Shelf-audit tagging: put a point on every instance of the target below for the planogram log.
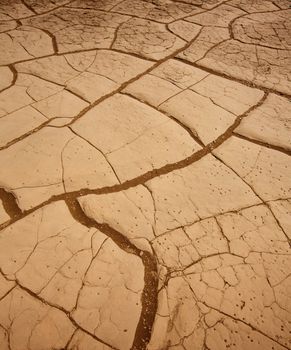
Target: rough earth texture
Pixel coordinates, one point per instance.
(145, 188)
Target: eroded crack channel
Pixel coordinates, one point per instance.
(149, 297)
(10, 204)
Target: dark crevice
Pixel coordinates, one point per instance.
(54, 40)
(22, 137)
(256, 194)
(14, 76)
(10, 204)
(119, 13)
(231, 23)
(236, 319)
(116, 32)
(3, 296)
(70, 339)
(97, 149)
(263, 144)
(45, 302)
(38, 14)
(279, 224)
(232, 78)
(14, 72)
(30, 8)
(77, 95)
(172, 32)
(211, 48)
(149, 297)
(185, 127)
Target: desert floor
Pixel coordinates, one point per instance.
(145, 175)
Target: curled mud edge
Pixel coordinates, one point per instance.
(149, 297)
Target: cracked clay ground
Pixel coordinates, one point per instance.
(145, 175)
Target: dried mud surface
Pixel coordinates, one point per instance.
(145, 188)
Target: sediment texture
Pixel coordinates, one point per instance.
(145, 188)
